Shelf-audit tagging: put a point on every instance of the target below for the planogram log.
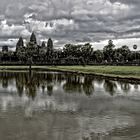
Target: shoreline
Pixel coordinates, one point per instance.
(132, 80)
(82, 71)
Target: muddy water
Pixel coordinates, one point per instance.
(59, 106)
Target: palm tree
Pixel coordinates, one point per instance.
(135, 48)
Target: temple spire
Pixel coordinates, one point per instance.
(33, 38)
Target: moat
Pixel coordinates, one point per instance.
(63, 106)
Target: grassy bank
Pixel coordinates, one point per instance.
(122, 71)
(112, 71)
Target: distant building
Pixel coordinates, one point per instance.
(5, 49)
(33, 38)
(20, 44)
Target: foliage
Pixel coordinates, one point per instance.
(5, 49)
(71, 54)
(98, 56)
(108, 51)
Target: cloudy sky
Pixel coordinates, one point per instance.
(71, 21)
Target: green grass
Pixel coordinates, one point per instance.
(122, 71)
(115, 71)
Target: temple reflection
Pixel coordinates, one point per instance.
(81, 107)
(35, 83)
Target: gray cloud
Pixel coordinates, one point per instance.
(70, 21)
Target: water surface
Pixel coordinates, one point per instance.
(60, 106)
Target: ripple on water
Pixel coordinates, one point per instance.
(104, 126)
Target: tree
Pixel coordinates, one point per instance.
(135, 47)
(99, 56)
(108, 51)
(6, 54)
(5, 49)
(87, 52)
(72, 50)
(122, 54)
(83, 53)
(125, 51)
(82, 61)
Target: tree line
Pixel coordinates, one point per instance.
(71, 54)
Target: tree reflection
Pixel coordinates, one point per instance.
(88, 86)
(49, 77)
(4, 80)
(5, 83)
(125, 87)
(79, 84)
(43, 88)
(73, 84)
(31, 83)
(50, 90)
(99, 80)
(136, 86)
(60, 78)
(110, 87)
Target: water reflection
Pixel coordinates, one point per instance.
(61, 106)
(125, 87)
(31, 83)
(88, 86)
(73, 84)
(110, 87)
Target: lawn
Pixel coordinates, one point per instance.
(115, 71)
(123, 71)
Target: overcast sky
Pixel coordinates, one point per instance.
(71, 21)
